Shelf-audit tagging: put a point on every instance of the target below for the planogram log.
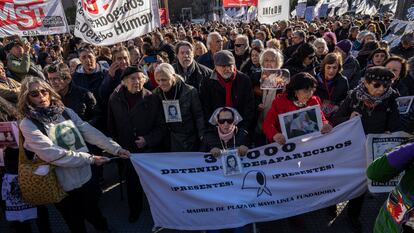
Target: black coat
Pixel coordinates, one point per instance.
(213, 96)
(384, 117)
(212, 140)
(290, 50)
(83, 103)
(294, 66)
(195, 78)
(339, 92)
(185, 135)
(144, 119)
(206, 60)
(399, 50)
(169, 49)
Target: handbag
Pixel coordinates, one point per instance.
(38, 189)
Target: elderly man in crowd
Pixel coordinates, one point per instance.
(298, 38)
(241, 50)
(19, 62)
(228, 87)
(214, 44)
(192, 72)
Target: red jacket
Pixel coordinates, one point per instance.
(281, 104)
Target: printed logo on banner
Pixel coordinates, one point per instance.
(258, 182)
(23, 14)
(96, 7)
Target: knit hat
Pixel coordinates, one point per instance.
(224, 58)
(345, 46)
(379, 73)
(131, 70)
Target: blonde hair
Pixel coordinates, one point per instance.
(272, 52)
(24, 105)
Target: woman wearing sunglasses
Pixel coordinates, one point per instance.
(43, 111)
(374, 101)
(226, 136)
(303, 60)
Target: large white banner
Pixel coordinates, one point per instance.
(188, 191)
(108, 22)
(270, 11)
(377, 145)
(31, 18)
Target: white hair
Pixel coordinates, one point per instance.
(258, 43)
(209, 38)
(273, 52)
(244, 37)
(167, 69)
(321, 41)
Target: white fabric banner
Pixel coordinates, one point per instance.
(109, 22)
(32, 18)
(188, 191)
(270, 11)
(377, 145)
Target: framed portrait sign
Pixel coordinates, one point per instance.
(231, 162)
(301, 123)
(404, 104)
(172, 111)
(9, 134)
(274, 79)
(66, 135)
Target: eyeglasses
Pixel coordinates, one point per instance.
(386, 85)
(311, 57)
(239, 45)
(222, 121)
(36, 93)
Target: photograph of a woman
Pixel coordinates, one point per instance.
(67, 137)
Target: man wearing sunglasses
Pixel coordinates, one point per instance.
(241, 50)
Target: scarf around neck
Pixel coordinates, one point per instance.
(46, 115)
(226, 136)
(227, 84)
(369, 100)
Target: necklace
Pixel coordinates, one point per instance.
(224, 145)
(299, 104)
(175, 94)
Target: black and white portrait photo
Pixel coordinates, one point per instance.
(231, 163)
(172, 111)
(301, 123)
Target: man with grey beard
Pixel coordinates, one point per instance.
(227, 87)
(192, 72)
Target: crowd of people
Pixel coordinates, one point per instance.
(196, 87)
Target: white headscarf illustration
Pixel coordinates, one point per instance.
(214, 116)
(256, 180)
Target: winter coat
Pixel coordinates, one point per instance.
(399, 206)
(73, 169)
(399, 50)
(93, 81)
(290, 50)
(212, 140)
(194, 78)
(185, 135)
(384, 117)
(169, 49)
(281, 104)
(240, 59)
(20, 67)
(9, 89)
(352, 71)
(213, 96)
(294, 66)
(145, 119)
(207, 60)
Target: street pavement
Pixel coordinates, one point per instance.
(115, 209)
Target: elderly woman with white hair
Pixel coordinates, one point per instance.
(182, 109)
(321, 48)
(269, 59)
(135, 121)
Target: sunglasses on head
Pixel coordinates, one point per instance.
(238, 45)
(37, 93)
(379, 84)
(222, 121)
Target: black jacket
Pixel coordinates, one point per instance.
(199, 72)
(212, 140)
(169, 49)
(185, 135)
(399, 50)
(213, 96)
(207, 60)
(290, 50)
(352, 71)
(384, 117)
(241, 59)
(339, 89)
(144, 119)
(294, 66)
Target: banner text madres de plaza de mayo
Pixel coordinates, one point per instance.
(188, 191)
(108, 22)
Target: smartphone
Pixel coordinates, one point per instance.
(150, 59)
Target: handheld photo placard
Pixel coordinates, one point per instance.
(301, 123)
(9, 134)
(67, 136)
(231, 162)
(274, 79)
(404, 104)
(172, 111)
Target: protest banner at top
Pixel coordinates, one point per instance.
(239, 3)
(273, 181)
(32, 18)
(108, 22)
(270, 11)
